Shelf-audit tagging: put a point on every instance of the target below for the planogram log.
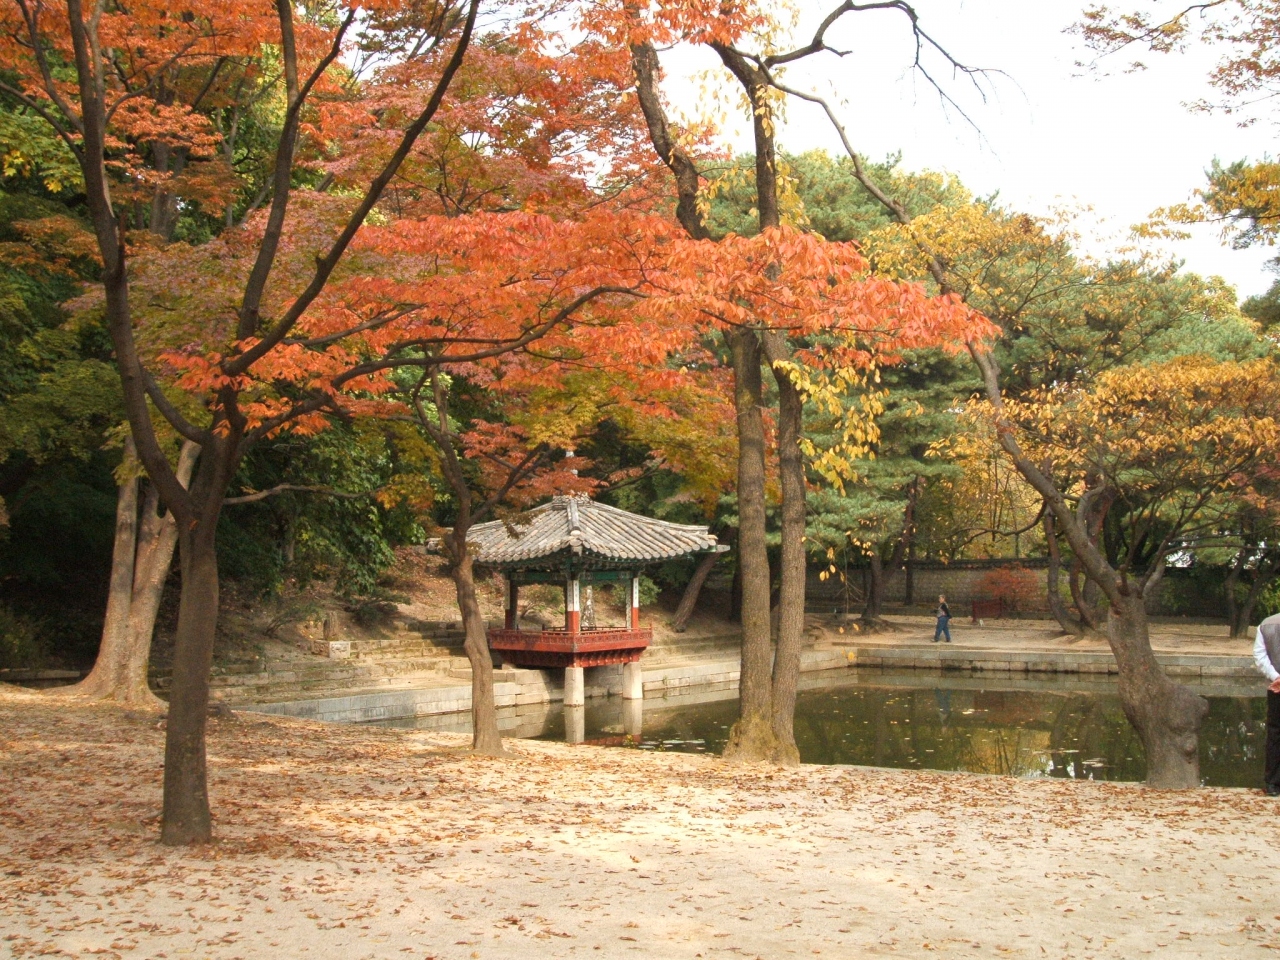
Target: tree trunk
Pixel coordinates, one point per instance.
(1263, 575)
(120, 672)
(680, 622)
(485, 738)
(904, 549)
(1056, 606)
(875, 589)
(1229, 589)
(879, 572)
(1087, 614)
(752, 737)
(104, 680)
(155, 557)
(1092, 598)
(1089, 598)
(792, 564)
(1166, 715)
(909, 587)
(186, 817)
(1240, 622)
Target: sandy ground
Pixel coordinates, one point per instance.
(357, 843)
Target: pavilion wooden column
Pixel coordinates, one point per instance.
(632, 681)
(572, 606)
(513, 599)
(575, 685)
(632, 717)
(635, 602)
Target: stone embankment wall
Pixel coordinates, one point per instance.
(517, 689)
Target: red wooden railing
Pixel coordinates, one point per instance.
(562, 648)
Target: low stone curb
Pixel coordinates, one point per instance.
(526, 688)
(931, 657)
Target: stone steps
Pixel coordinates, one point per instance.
(245, 696)
(285, 680)
(694, 648)
(424, 654)
(400, 648)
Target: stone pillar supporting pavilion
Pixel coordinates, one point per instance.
(574, 541)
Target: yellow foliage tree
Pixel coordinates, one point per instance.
(1160, 448)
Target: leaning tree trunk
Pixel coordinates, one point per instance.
(752, 737)
(692, 590)
(1166, 715)
(1087, 613)
(485, 738)
(104, 679)
(155, 557)
(120, 672)
(792, 562)
(1056, 607)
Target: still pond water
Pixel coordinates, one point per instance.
(1013, 726)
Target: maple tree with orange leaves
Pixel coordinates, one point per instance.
(764, 330)
(127, 110)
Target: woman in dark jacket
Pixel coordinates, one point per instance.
(943, 614)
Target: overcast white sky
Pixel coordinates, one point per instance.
(1122, 144)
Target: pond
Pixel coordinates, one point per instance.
(1056, 727)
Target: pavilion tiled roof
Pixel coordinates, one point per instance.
(596, 534)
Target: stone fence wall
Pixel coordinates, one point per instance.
(1020, 584)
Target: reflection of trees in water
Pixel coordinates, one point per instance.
(1232, 739)
(982, 731)
(707, 722)
(892, 727)
(1093, 728)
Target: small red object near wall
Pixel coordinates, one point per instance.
(988, 609)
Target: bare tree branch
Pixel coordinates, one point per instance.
(292, 487)
(256, 285)
(325, 265)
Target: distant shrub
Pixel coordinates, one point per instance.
(21, 642)
(649, 592)
(1268, 604)
(1015, 585)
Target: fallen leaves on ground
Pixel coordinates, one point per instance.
(368, 842)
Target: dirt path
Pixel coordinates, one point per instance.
(1046, 635)
(356, 843)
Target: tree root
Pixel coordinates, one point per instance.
(752, 740)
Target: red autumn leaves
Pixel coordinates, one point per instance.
(515, 298)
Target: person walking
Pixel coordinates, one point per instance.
(943, 613)
(1266, 654)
